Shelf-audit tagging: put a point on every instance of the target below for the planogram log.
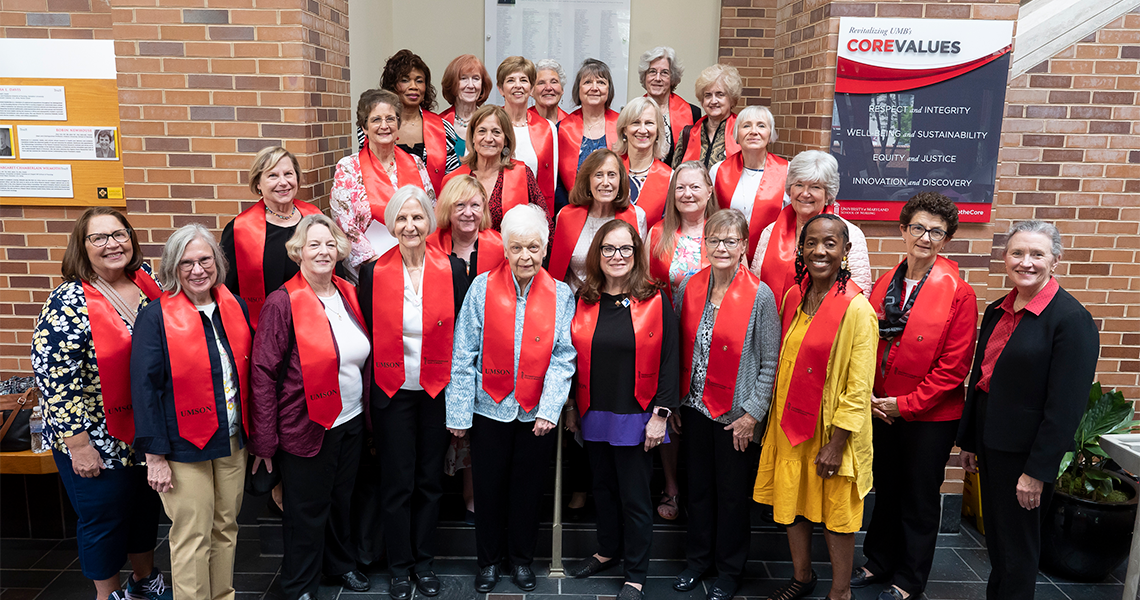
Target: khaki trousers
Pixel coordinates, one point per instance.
(203, 509)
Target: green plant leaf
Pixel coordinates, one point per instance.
(1065, 461)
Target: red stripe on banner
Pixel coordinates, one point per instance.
(854, 77)
(876, 210)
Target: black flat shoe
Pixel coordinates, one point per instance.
(355, 581)
(400, 589)
(487, 579)
(892, 593)
(307, 596)
(628, 592)
(860, 578)
(428, 583)
(687, 581)
(718, 593)
(524, 578)
(590, 566)
(795, 588)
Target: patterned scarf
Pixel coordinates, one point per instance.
(895, 313)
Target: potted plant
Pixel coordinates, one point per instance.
(1087, 530)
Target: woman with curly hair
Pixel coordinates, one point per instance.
(815, 466)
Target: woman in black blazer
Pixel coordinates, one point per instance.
(1036, 359)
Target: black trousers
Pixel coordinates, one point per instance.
(910, 464)
(509, 469)
(720, 496)
(317, 495)
(411, 441)
(624, 503)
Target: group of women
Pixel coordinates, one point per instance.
(455, 302)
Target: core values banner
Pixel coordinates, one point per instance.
(918, 107)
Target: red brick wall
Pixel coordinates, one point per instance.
(747, 42)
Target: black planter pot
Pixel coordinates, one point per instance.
(1082, 540)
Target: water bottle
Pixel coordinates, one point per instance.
(36, 425)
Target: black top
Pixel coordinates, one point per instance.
(612, 359)
(276, 266)
(673, 147)
(419, 150)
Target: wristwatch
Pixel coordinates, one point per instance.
(662, 412)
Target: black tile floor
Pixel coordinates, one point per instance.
(49, 570)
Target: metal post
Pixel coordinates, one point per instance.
(556, 570)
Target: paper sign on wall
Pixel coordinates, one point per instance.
(67, 143)
(35, 181)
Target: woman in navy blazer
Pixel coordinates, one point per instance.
(1035, 361)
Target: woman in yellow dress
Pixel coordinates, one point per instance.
(815, 466)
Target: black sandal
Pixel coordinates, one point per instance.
(795, 589)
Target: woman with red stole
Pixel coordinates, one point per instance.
(423, 134)
(626, 336)
(710, 139)
(729, 343)
(593, 126)
(641, 144)
(81, 353)
(752, 181)
(660, 73)
(815, 466)
(812, 185)
(254, 242)
(536, 143)
(507, 182)
(190, 390)
(600, 194)
(927, 316)
(510, 375)
(409, 298)
(465, 86)
(549, 79)
(307, 415)
(675, 247)
(364, 182)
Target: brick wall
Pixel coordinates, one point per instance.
(747, 42)
(56, 19)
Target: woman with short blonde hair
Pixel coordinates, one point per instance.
(709, 139)
(642, 143)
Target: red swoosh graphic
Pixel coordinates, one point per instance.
(854, 77)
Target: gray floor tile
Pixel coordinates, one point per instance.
(23, 553)
(1092, 591)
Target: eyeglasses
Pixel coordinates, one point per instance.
(918, 230)
(609, 251)
(99, 240)
(655, 73)
(729, 243)
(187, 266)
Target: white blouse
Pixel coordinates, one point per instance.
(354, 348)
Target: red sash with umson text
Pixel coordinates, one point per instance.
(805, 390)
(769, 199)
(435, 148)
(249, 250)
(320, 365)
(659, 266)
(919, 342)
(571, 220)
(388, 322)
(490, 248)
(542, 138)
(499, 378)
(570, 143)
(515, 190)
(194, 403)
(653, 192)
(693, 148)
(778, 270)
(112, 344)
(378, 187)
(728, 333)
(647, 324)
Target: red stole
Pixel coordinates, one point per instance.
(693, 148)
(490, 247)
(378, 187)
(680, 116)
(249, 252)
(542, 138)
(769, 199)
(658, 266)
(499, 378)
(727, 336)
(561, 114)
(112, 344)
(779, 267)
(805, 390)
(570, 143)
(571, 220)
(923, 331)
(651, 198)
(320, 364)
(515, 190)
(435, 148)
(448, 115)
(647, 327)
(388, 322)
(194, 403)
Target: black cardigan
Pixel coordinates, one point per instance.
(1039, 387)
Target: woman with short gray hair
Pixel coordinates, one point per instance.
(811, 185)
(548, 83)
(660, 73)
(752, 181)
(190, 387)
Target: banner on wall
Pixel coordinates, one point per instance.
(918, 107)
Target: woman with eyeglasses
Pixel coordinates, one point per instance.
(660, 73)
(729, 344)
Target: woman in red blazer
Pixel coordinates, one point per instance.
(927, 317)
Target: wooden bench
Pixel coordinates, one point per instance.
(26, 463)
